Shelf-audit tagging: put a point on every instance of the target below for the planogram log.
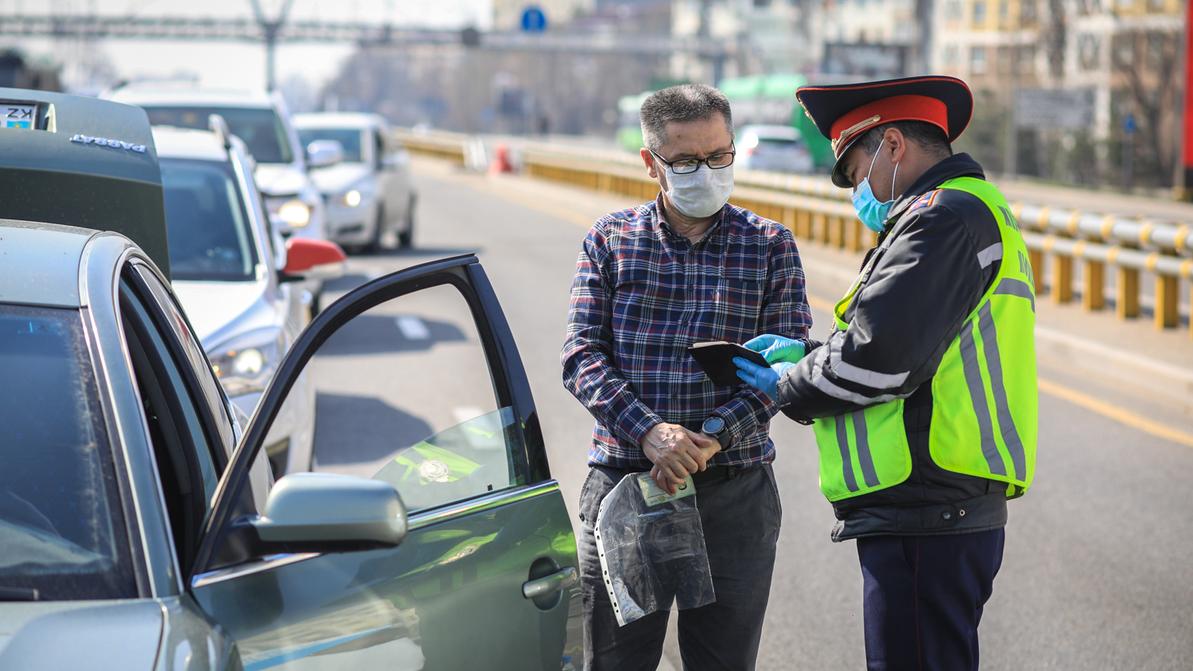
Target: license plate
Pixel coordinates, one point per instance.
(17, 116)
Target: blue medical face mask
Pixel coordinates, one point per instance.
(870, 210)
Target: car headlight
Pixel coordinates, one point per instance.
(351, 198)
(295, 213)
(246, 363)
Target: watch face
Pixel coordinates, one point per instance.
(713, 426)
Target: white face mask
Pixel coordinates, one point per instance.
(699, 194)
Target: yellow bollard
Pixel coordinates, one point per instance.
(1167, 302)
(1062, 278)
(1127, 293)
(1093, 289)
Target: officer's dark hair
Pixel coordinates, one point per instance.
(686, 102)
(928, 136)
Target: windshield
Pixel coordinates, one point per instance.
(260, 128)
(61, 524)
(206, 223)
(349, 139)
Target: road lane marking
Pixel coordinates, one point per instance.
(413, 328)
(1120, 415)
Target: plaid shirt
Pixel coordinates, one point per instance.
(643, 294)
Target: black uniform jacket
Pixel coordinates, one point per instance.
(938, 254)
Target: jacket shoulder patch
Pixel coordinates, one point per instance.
(923, 202)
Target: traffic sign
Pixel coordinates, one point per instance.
(534, 20)
(1055, 108)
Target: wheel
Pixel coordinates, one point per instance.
(406, 236)
(374, 244)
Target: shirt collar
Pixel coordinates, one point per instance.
(665, 227)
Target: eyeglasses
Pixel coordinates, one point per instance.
(687, 166)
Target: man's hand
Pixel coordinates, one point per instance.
(761, 378)
(707, 445)
(776, 348)
(675, 453)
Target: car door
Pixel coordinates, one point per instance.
(486, 574)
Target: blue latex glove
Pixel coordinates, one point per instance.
(761, 378)
(776, 348)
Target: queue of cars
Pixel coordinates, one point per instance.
(148, 307)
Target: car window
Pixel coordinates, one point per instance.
(61, 522)
(193, 361)
(186, 468)
(403, 393)
(207, 224)
(349, 139)
(260, 128)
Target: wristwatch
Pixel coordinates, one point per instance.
(717, 428)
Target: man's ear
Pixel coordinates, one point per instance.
(649, 162)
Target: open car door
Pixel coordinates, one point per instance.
(475, 566)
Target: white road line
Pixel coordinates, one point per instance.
(412, 328)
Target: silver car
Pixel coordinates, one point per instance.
(142, 530)
(369, 194)
(772, 148)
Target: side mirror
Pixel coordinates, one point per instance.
(312, 259)
(325, 512)
(324, 153)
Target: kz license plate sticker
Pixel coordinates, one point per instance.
(17, 116)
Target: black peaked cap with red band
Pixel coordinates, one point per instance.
(844, 113)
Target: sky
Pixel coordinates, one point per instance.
(232, 65)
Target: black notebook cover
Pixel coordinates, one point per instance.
(716, 358)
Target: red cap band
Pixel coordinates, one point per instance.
(887, 110)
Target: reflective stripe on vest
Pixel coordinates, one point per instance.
(984, 405)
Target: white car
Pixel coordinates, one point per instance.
(226, 266)
(369, 194)
(772, 148)
(263, 123)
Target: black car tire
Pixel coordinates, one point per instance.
(406, 236)
(377, 242)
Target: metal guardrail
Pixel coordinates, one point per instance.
(1057, 240)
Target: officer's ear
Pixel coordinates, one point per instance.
(896, 142)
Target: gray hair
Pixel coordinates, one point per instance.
(687, 102)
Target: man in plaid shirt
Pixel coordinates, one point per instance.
(650, 281)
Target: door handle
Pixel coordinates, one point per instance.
(564, 577)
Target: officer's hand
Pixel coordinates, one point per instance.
(762, 378)
(776, 348)
(673, 452)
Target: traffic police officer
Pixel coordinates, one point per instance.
(923, 399)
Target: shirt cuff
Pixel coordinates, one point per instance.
(636, 422)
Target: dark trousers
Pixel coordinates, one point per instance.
(740, 513)
(923, 598)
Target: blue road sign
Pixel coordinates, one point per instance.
(534, 20)
(1129, 124)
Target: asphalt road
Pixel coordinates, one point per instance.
(1098, 572)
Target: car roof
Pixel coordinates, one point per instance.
(338, 120)
(84, 162)
(189, 143)
(159, 95)
(41, 263)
